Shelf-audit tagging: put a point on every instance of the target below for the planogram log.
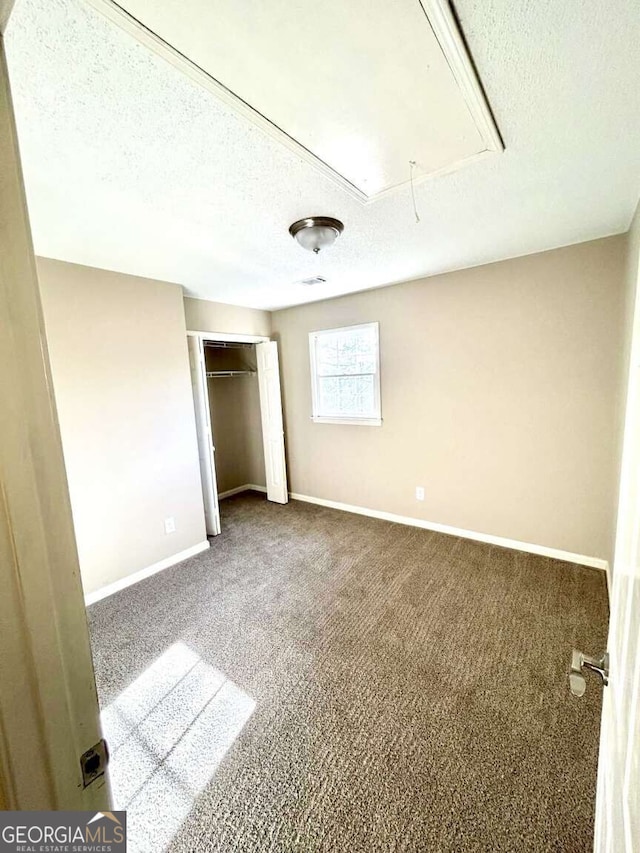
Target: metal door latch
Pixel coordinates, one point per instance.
(580, 662)
(94, 762)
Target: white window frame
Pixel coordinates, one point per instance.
(333, 419)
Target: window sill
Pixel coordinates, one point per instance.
(351, 421)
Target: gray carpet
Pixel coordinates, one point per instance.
(320, 681)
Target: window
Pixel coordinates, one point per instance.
(345, 375)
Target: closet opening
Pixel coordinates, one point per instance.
(238, 408)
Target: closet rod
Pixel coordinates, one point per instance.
(218, 374)
(227, 345)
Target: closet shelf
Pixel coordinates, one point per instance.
(215, 374)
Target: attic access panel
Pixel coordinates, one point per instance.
(358, 88)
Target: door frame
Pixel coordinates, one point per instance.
(619, 738)
(49, 714)
(228, 337)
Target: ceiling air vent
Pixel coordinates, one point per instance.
(317, 279)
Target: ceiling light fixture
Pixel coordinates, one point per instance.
(316, 232)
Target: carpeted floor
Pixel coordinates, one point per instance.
(320, 681)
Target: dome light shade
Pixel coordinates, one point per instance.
(316, 232)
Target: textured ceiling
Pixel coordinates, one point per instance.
(133, 167)
(353, 114)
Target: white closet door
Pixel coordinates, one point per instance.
(272, 426)
(206, 450)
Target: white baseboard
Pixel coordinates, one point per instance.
(129, 580)
(541, 550)
(248, 487)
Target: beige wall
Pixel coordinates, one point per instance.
(120, 371)
(204, 316)
(499, 393)
(237, 432)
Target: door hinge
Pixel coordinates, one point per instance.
(94, 762)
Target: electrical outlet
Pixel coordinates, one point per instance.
(170, 525)
(419, 493)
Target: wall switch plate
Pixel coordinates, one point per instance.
(170, 525)
(419, 493)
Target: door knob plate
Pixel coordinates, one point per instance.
(579, 663)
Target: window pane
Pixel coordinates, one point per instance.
(346, 396)
(327, 354)
(348, 352)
